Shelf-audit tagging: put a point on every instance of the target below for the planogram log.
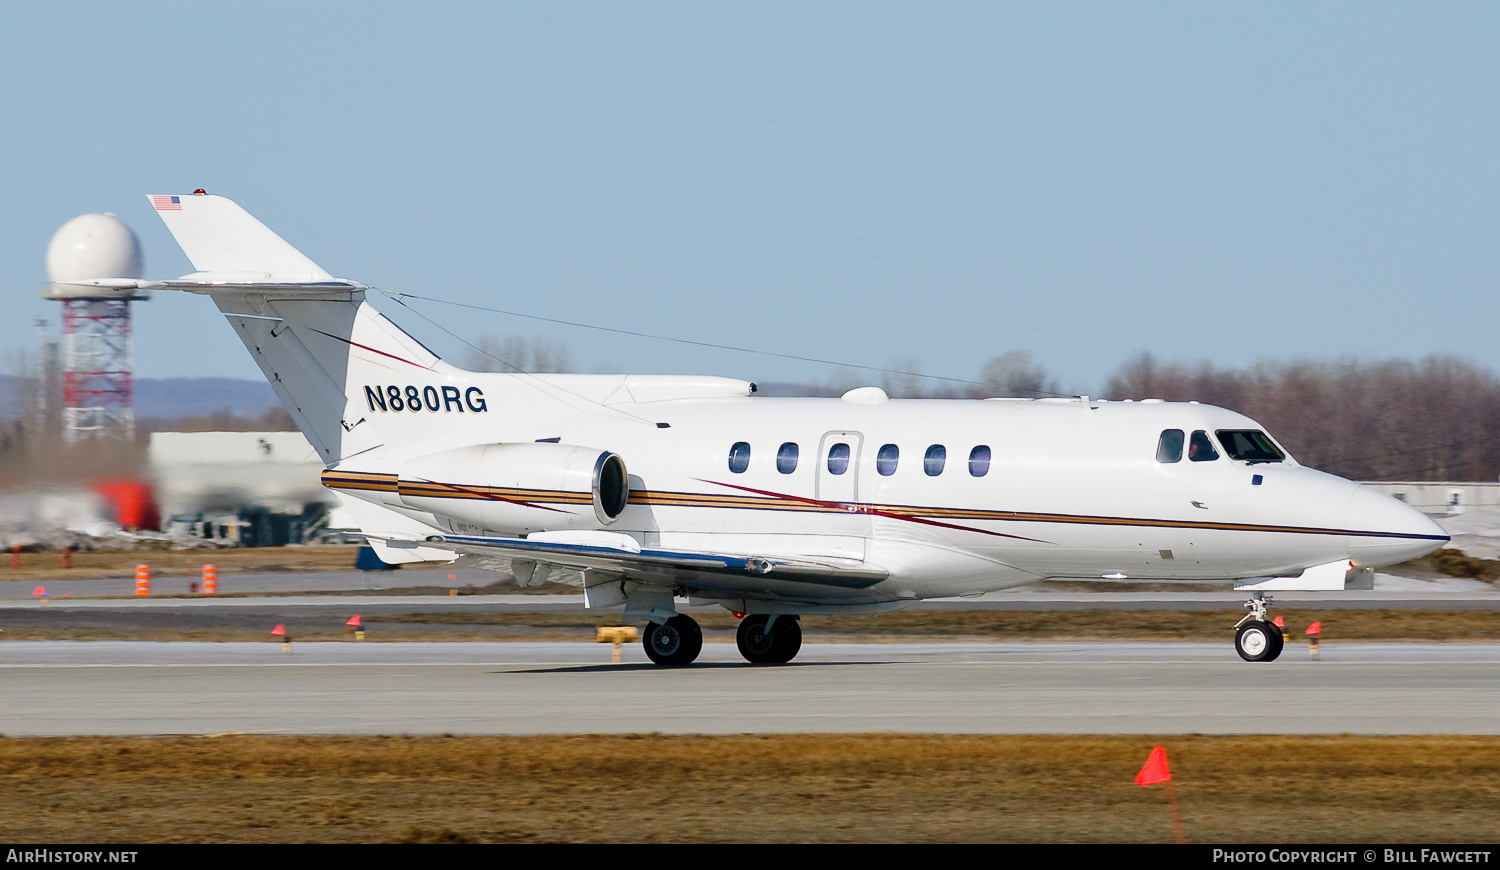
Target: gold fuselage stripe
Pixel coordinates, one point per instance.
(365, 481)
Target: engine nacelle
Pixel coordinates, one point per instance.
(519, 488)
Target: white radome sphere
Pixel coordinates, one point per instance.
(94, 246)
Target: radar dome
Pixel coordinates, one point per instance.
(93, 246)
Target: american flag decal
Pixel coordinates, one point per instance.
(167, 203)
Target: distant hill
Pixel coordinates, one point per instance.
(195, 397)
(166, 398)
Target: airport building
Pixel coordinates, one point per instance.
(252, 489)
(1441, 498)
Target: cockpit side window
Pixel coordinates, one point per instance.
(1169, 448)
(1249, 445)
(1200, 449)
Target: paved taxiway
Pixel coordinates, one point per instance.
(66, 688)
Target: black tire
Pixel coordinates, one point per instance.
(778, 646)
(788, 634)
(1278, 642)
(1254, 641)
(755, 643)
(673, 643)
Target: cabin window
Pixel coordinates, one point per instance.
(1249, 445)
(1169, 448)
(786, 458)
(886, 459)
(838, 458)
(1200, 449)
(979, 461)
(933, 461)
(739, 457)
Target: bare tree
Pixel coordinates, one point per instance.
(515, 353)
(1433, 419)
(1016, 374)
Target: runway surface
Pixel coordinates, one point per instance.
(68, 688)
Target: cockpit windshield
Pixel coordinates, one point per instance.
(1249, 445)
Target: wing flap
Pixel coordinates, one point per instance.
(660, 566)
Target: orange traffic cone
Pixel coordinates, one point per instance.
(210, 579)
(143, 579)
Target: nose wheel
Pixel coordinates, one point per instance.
(1256, 638)
(1258, 641)
(769, 640)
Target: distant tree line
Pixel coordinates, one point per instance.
(1013, 374)
(516, 353)
(1433, 419)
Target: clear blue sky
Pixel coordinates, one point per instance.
(924, 184)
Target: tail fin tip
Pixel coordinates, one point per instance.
(223, 240)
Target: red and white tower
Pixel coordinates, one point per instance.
(97, 359)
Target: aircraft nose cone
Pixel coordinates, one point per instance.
(1384, 531)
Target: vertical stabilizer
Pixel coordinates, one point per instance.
(301, 325)
(353, 381)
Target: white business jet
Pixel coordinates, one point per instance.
(647, 490)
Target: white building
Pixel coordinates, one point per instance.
(1442, 498)
(255, 488)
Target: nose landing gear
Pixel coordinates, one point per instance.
(1256, 638)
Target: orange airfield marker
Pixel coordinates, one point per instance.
(1155, 770)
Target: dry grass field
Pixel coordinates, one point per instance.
(46, 566)
(789, 788)
(772, 788)
(43, 623)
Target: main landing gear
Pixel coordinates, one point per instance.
(769, 640)
(673, 643)
(763, 640)
(1258, 639)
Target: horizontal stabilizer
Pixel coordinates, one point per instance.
(205, 282)
(222, 239)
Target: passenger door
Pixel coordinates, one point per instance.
(838, 467)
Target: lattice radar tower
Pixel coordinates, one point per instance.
(97, 348)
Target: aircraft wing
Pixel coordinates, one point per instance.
(618, 556)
